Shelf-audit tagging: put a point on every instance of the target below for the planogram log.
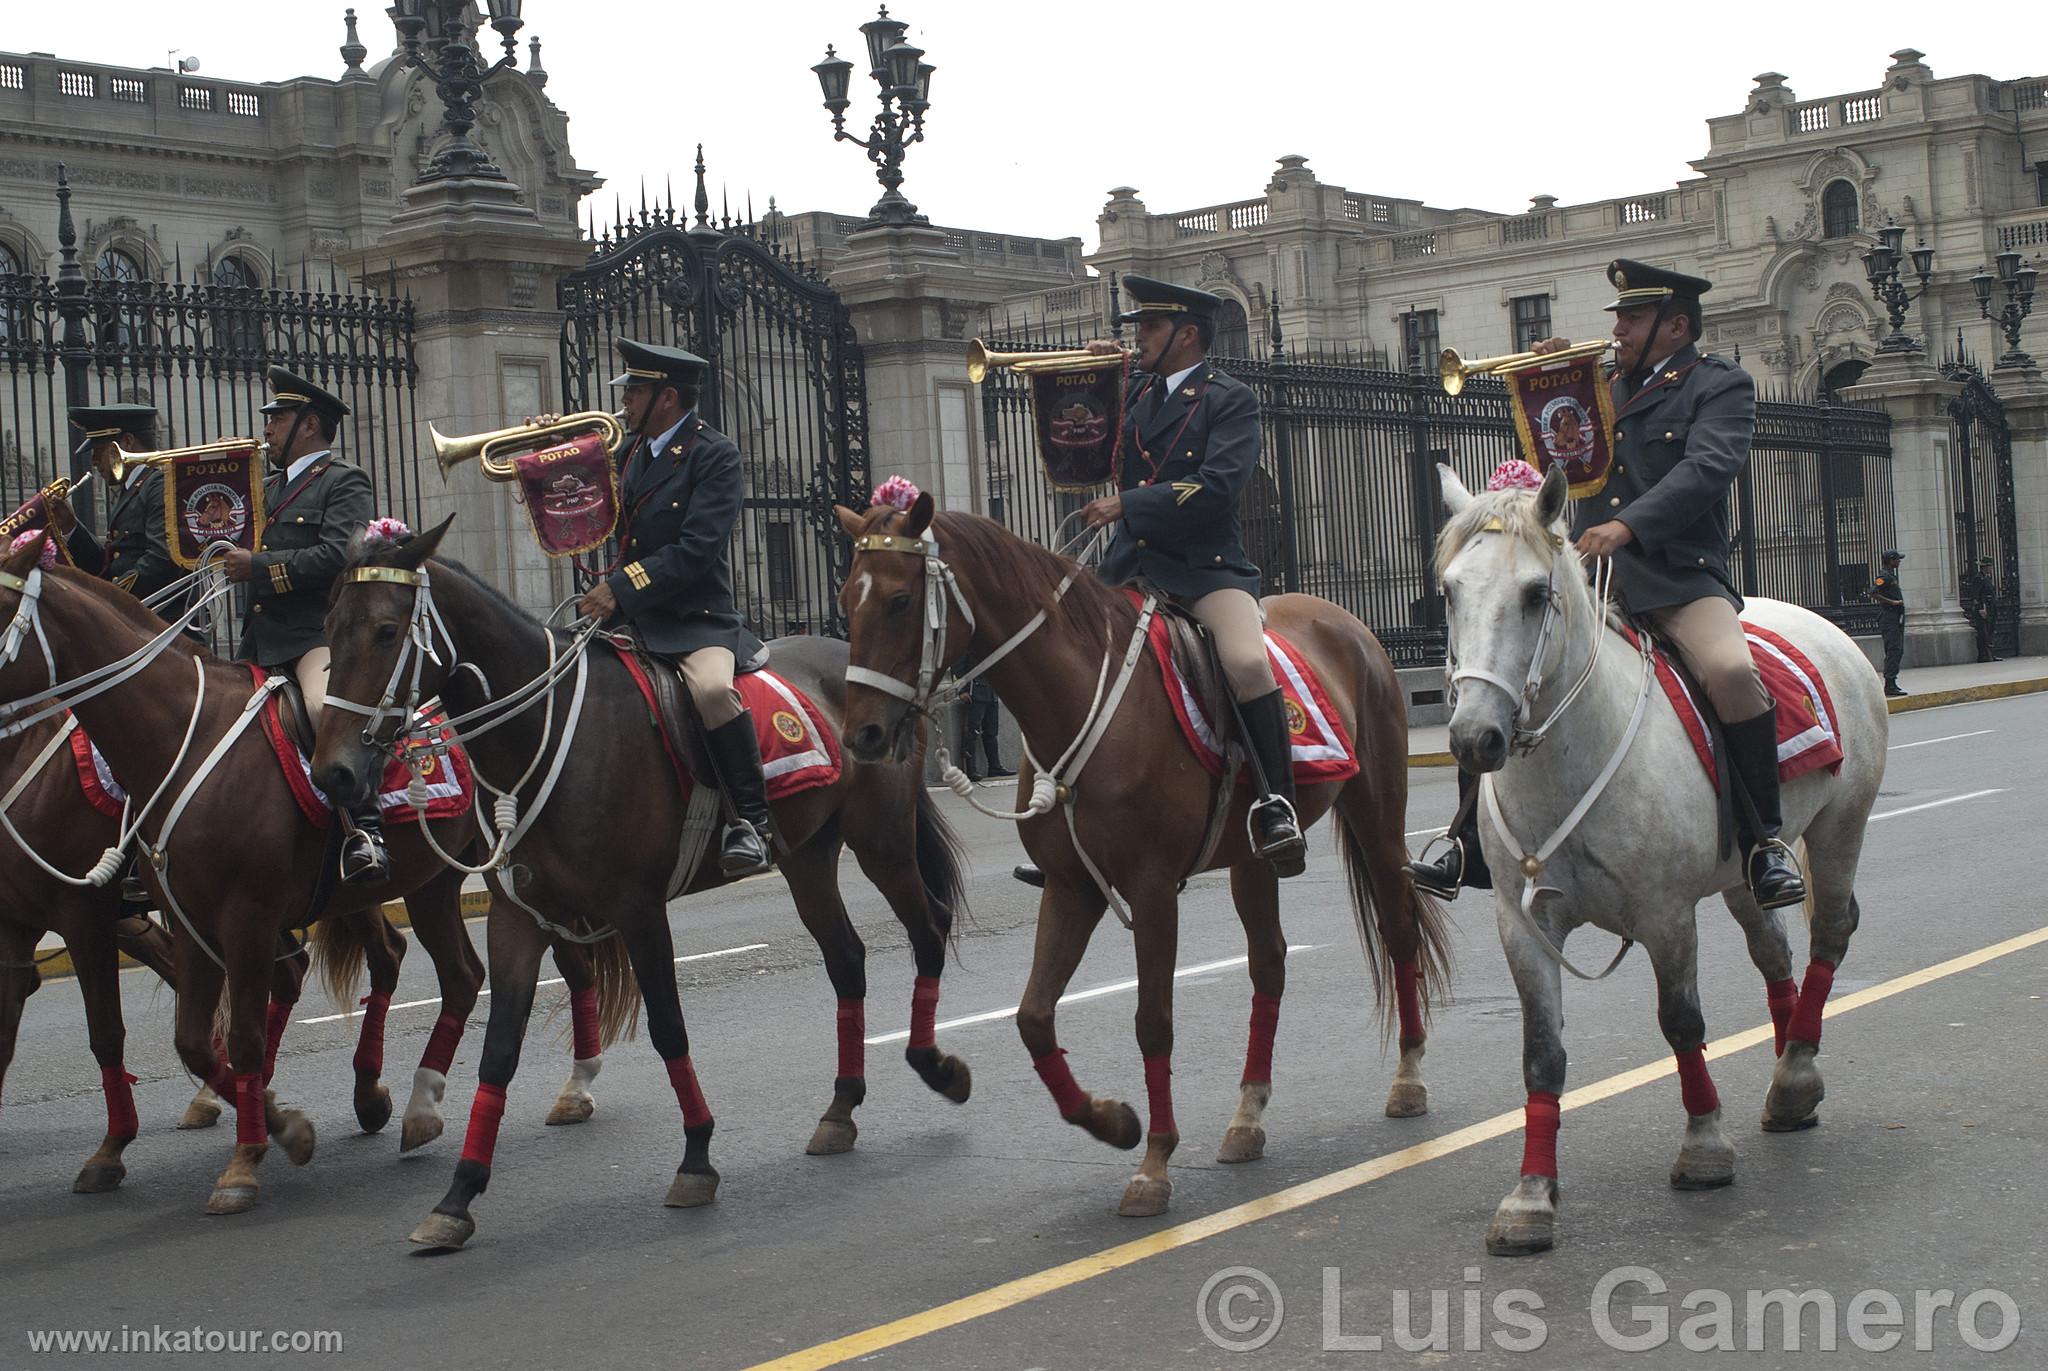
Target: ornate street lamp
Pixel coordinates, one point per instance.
(1881, 266)
(905, 78)
(2018, 280)
(451, 60)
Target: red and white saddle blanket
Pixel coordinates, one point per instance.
(1807, 736)
(799, 750)
(1322, 751)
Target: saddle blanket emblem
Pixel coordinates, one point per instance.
(1807, 736)
(451, 787)
(1321, 750)
(102, 791)
(799, 750)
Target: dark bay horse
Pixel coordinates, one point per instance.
(1143, 786)
(603, 845)
(242, 861)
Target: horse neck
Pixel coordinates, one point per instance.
(1048, 680)
(1585, 736)
(509, 649)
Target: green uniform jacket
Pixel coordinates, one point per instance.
(307, 527)
(135, 555)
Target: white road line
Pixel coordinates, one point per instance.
(1929, 742)
(1934, 804)
(1431, 832)
(555, 980)
(1094, 992)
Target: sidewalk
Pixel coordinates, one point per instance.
(1925, 688)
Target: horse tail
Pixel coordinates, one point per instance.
(618, 994)
(1432, 932)
(941, 869)
(340, 948)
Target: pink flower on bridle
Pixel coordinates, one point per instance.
(896, 493)
(22, 540)
(386, 528)
(1515, 474)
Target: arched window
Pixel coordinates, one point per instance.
(120, 322)
(10, 261)
(1840, 376)
(1838, 210)
(1233, 331)
(116, 265)
(237, 324)
(13, 295)
(234, 271)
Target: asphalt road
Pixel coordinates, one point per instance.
(1926, 1174)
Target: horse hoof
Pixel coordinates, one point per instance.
(571, 1109)
(961, 1084)
(1145, 1197)
(419, 1130)
(833, 1137)
(98, 1178)
(1407, 1100)
(1120, 1129)
(444, 1231)
(203, 1112)
(1526, 1221)
(373, 1108)
(1242, 1145)
(1702, 1169)
(296, 1138)
(1775, 1125)
(691, 1188)
(231, 1199)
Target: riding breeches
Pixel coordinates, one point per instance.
(311, 672)
(1709, 638)
(1234, 621)
(707, 675)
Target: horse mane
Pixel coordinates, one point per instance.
(385, 552)
(1096, 610)
(124, 606)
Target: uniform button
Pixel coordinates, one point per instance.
(1141, 542)
(300, 519)
(1617, 435)
(675, 504)
(1669, 434)
(1219, 557)
(1190, 455)
(1703, 561)
(255, 609)
(1615, 502)
(1146, 482)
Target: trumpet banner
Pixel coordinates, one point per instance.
(34, 514)
(214, 497)
(571, 494)
(1564, 412)
(1080, 417)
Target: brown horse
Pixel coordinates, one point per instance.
(242, 861)
(603, 844)
(1141, 773)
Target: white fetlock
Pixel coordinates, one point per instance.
(423, 1122)
(576, 1104)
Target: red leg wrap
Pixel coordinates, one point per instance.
(1408, 996)
(482, 1139)
(583, 1018)
(1782, 995)
(1695, 1085)
(1159, 1092)
(683, 1077)
(924, 1012)
(1805, 1025)
(1258, 1052)
(274, 1020)
(440, 1053)
(370, 1042)
(250, 1125)
(1539, 1135)
(1052, 1069)
(853, 1026)
(114, 1080)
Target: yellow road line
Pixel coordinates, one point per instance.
(1015, 1292)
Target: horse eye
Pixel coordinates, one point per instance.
(899, 603)
(1535, 596)
(387, 634)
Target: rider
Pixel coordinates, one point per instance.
(682, 484)
(1682, 434)
(135, 555)
(1191, 444)
(314, 503)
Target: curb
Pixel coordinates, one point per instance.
(1905, 704)
(475, 903)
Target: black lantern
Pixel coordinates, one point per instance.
(1881, 267)
(451, 60)
(2016, 279)
(905, 78)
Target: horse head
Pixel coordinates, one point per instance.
(1509, 573)
(382, 665)
(24, 670)
(895, 647)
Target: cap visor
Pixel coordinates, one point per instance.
(84, 449)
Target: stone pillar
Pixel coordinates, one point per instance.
(1907, 387)
(481, 270)
(2025, 394)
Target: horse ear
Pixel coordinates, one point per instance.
(919, 517)
(415, 553)
(849, 520)
(1554, 498)
(1456, 497)
(23, 558)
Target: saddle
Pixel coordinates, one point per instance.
(291, 712)
(1194, 651)
(1724, 795)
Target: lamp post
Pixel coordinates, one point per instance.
(1881, 266)
(2018, 281)
(905, 78)
(451, 60)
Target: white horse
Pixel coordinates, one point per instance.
(1599, 812)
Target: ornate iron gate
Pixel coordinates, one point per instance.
(788, 387)
(1981, 494)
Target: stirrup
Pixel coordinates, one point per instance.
(1785, 896)
(363, 859)
(1287, 850)
(1029, 874)
(743, 852)
(1445, 876)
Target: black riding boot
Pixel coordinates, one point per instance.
(1276, 832)
(363, 859)
(736, 755)
(1753, 751)
(1462, 863)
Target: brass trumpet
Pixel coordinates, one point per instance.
(495, 450)
(980, 361)
(124, 459)
(1455, 370)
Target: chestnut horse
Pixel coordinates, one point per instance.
(925, 589)
(606, 818)
(241, 862)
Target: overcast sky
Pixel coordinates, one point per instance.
(1038, 109)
